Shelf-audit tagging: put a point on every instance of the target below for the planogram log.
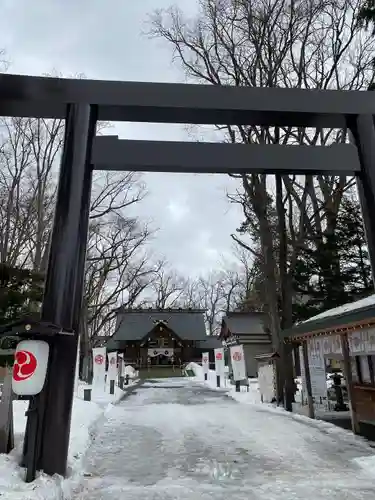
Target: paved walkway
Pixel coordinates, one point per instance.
(175, 439)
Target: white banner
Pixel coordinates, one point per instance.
(319, 356)
(219, 362)
(318, 373)
(160, 352)
(99, 359)
(327, 345)
(315, 352)
(266, 382)
(336, 344)
(205, 362)
(238, 362)
(370, 344)
(311, 347)
(112, 366)
(356, 344)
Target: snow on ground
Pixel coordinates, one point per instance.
(253, 398)
(84, 416)
(179, 439)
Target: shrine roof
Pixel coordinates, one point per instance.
(353, 315)
(135, 324)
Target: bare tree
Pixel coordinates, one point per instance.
(118, 271)
(192, 295)
(15, 207)
(313, 44)
(168, 287)
(117, 265)
(212, 288)
(46, 139)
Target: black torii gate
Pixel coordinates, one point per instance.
(83, 102)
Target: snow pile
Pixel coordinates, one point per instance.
(129, 370)
(251, 396)
(84, 416)
(101, 397)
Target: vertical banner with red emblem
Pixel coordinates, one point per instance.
(112, 365)
(205, 362)
(99, 362)
(219, 362)
(238, 362)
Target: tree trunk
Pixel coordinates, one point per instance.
(285, 350)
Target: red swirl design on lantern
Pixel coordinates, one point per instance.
(24, 366)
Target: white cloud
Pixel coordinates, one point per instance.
(177, 210)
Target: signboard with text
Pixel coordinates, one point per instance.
(317, 373)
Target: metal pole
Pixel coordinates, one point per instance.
(64, 283)
(363, 132)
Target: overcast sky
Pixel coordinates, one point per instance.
(103, 39)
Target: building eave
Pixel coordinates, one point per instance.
(330, 325)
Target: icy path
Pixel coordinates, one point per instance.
(178, 440)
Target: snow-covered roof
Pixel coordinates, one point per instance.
(352, 306)
(354, 312)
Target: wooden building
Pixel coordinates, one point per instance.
(344, 338)
(161, 337)
(248, 329)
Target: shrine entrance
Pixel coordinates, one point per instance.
(83, 102)
(159, 357)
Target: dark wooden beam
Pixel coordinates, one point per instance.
(182, 103)
(110, 153)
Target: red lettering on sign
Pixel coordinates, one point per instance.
(219, 356)
(24, 366)
(99, 359)
(237, 356)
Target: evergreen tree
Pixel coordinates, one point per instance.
(322, 283)
(367, 13)
(21, 292)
